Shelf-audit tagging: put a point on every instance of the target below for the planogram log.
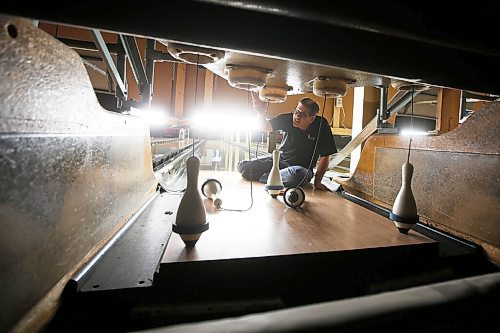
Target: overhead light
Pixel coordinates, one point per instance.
(217, 121)
(152, 116)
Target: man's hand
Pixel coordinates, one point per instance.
(259, 106)
(320, 172)
(320, 186)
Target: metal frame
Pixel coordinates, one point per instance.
(132, 51)
(94, 67)
(108, 60)
(382, 112)
(408, 41)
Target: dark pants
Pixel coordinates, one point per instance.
(258, 169)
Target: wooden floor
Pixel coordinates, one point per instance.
(328, 223)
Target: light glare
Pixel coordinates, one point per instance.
(409, 132)
(151, 116)
(224, 121)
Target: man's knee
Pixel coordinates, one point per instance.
(295, 176)
(242, 166)
(301, 173)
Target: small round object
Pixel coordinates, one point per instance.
(273, 94)
(194, 54)
(329, 87)
(408, 86)
(213, 185)
(242, 77)
(294, 197)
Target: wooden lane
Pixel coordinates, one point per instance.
(328, 223)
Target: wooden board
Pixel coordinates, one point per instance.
(270, 228)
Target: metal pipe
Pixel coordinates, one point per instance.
(94, 67)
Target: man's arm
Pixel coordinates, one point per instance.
(323, 163)
(260, 108)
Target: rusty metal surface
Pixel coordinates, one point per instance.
(70, 172)
(458, 190)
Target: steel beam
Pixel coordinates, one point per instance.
(122, 71)
(150, 66)
(132, 50)
(382, 113)
(108, 60)
(87, 46)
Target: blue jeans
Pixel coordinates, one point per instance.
(258, 169)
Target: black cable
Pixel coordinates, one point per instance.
(174, 192)
(411, 123)
(196, 90)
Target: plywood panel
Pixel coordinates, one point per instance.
(328, 223)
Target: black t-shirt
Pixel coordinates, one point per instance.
(297, 146)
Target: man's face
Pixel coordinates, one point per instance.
(301, 117)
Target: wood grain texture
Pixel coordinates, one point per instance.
(270, 228)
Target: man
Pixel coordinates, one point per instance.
(297, 147)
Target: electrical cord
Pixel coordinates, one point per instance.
(411, 123)
(196, 90)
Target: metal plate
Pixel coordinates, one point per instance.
(71, 173)
(133, 259)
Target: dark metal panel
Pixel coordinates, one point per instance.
(423, 40)
(132, 260)
(459, 190)
(71, 173)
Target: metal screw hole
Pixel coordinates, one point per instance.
(12, 30)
